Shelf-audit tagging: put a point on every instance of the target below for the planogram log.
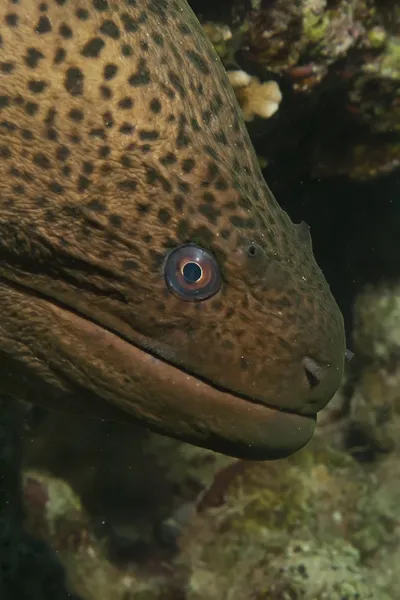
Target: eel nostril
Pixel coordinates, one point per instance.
(313, 372)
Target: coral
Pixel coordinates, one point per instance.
(255, 98)
(338, 65)
(306, 527)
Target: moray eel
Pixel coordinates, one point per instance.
(147, 273)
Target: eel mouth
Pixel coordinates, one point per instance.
(130, 383)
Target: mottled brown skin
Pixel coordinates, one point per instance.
(120, 139)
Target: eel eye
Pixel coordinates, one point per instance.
(192, 273)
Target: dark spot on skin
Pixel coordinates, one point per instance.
(43, 26)
(208, 197)
(129, 24)
(37, 86)
(168, 91)
(105, 92)
(128, 185)
(115, 220)
(100, 5)
(142, 75)
(148, 135)
(50, 116)
(182, 230)
(31, 108)
(32, 57)
(96, 205)
(184, 187)
(221, 138)
(197, 89)
(155, 106)
(182, 140)
(43, 7)
(41, 160)
(126, 128)
(125, 103)
(198, 62)
(164, 216)
(210, 151)
(212, 171)
(206, 116)
(88, 167)
(157, 258)
(158, 39)
(93, 48)
(76, 115)
(18, 189)
(75, 139)
(59, 56)
(49, 216)
(110, 29)
(130, 265)
(110, 71)
(179, 202)
(184, 29)
(62, 153)
(5, 152)
(159, 7)
(40, 201)
(82, 14)
(52, 134)
(143, 208)
(74, 81)
(126, 50)
(11, 19)
(56, 187)
(97, 132)
(126, 161)
(188, 165)
(7, 67)
(210, 212)
(176, 83)
(4, 101)
(65, 31)
(240, 222)
(195, 125)
(153, 176)
(108, 119)
(8, 126)
(83, 183)
(221, 184)
(104, 151)
(168, 159)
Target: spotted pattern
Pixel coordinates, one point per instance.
(120, 138)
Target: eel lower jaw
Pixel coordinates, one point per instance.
(166, 399)
(103, 375)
